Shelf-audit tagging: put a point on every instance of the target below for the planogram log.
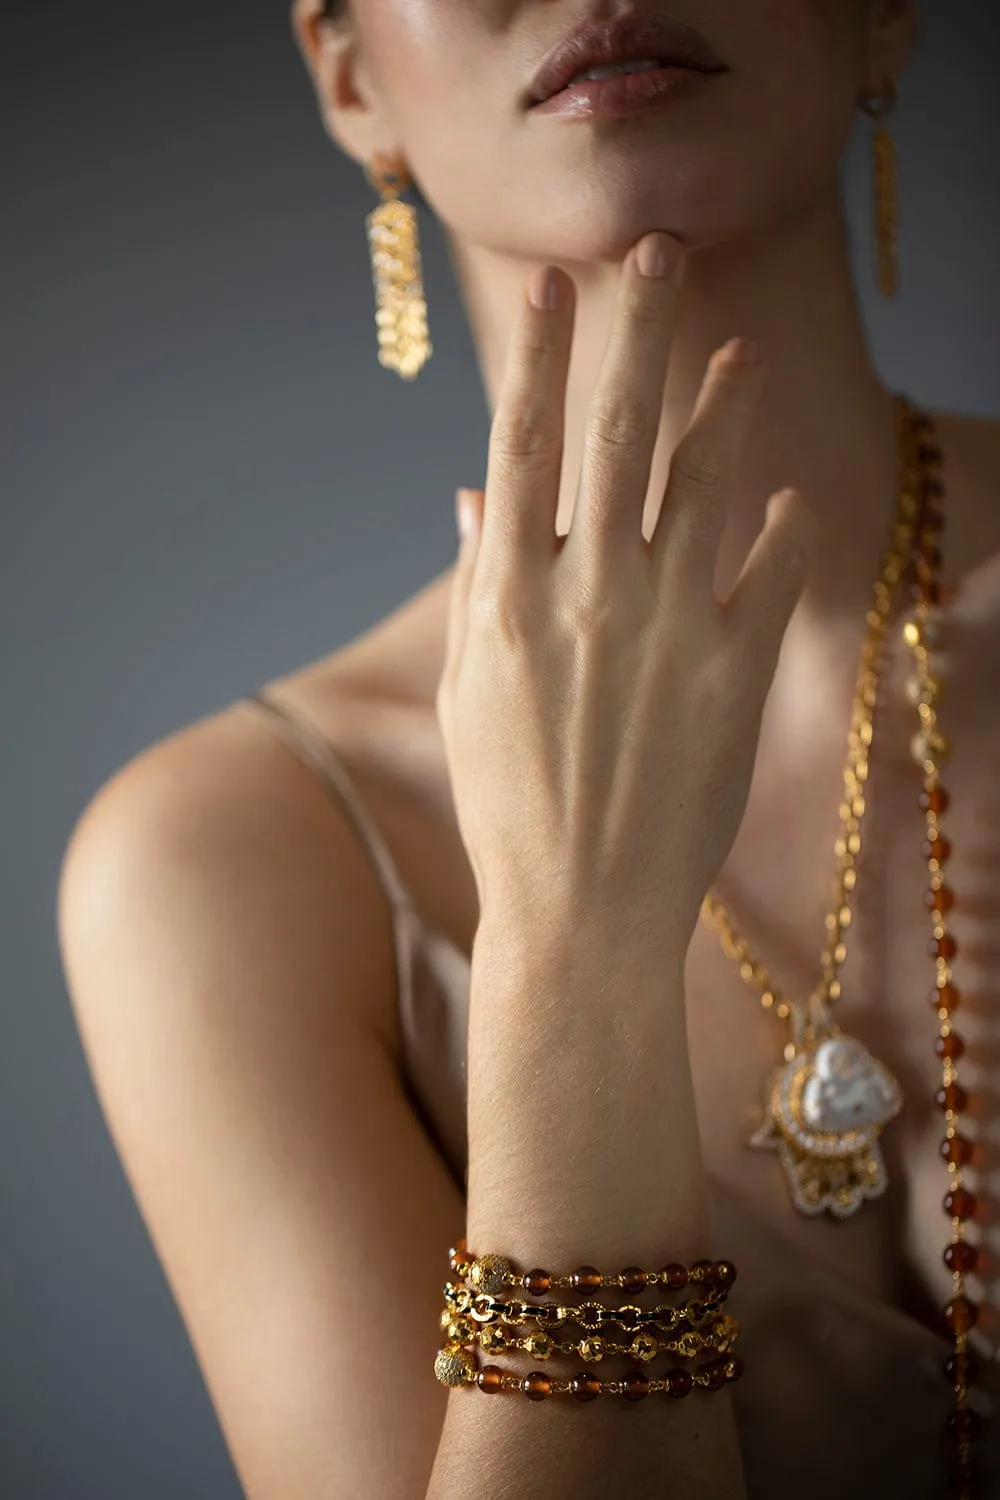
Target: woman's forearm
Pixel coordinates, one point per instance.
(583, 1148)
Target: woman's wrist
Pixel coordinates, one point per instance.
(582, 1130)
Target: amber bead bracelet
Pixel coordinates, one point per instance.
(473, 1314)
(492, 1273)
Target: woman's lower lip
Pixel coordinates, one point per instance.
(608, 98)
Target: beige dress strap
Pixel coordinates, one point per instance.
(312, 747)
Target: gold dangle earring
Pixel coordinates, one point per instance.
(400, 308)
(885, 191)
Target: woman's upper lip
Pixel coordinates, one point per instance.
(637, 35)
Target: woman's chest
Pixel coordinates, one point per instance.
(779, 890)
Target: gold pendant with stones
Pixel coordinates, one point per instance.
(824, 1111)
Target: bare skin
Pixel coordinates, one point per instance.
(776, 880)
(824, 427)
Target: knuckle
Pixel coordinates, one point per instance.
(502, 611)
(696, 471)
(620, 424)
(524, 433)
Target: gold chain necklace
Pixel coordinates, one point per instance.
(827, 1105)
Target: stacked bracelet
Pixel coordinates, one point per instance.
(475, 1315)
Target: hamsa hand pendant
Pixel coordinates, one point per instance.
(824, 1112)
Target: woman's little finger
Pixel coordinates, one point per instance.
(773, 577)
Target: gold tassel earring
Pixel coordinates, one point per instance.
(400, 308)
(885, 191)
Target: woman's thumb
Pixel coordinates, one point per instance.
(468, 513)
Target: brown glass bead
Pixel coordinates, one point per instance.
(936, 800)
(964, 1423)
(943, 947)
(725, 1274)
(960, 1256)
(961, 1314)
(459, 1258)
(963, 1368)
(536, 1282)
(586, 1386)
(488, 1378)
(960, 1204)
(634, 1279)
(957, 1150)
(714, 1372)
(941, 900)
(951, 1046)
(675, 1276)
(945, 997)
(536, 1386)
(952, 1097)
(938, 849)
(930, 591)
(587, 1279)
(635, 1386)
(734, 1367)
(679, 1382)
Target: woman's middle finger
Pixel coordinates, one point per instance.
(623, 419)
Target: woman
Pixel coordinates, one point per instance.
(546, 760)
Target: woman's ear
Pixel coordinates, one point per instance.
(349, 103)
(894, 26)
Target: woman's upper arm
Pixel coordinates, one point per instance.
(229, 959)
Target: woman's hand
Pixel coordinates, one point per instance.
(600, 707)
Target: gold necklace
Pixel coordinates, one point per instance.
(827, 1104)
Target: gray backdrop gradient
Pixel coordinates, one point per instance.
(207, 480)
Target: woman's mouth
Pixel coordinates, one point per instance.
(611, 90)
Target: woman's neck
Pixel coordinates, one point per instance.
(825, 421)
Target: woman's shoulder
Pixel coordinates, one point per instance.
(216, 834)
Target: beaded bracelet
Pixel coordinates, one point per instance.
(719, 1338)
(590, 1315)
(697, 1325)
(491, 1273)
(454, 1367)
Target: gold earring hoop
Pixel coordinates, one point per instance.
(885, 190)
(400, 307)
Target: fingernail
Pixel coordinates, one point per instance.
(741, 351)
(465, 513)
(545, 289)
(656, 254)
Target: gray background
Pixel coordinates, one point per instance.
(207, 480)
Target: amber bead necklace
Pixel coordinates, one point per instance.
(917, 537)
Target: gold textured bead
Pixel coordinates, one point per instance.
(726, 1334)
(454, 1367)
(539, 1345)
(492, 1338)
(592, 1350)
(911, 633)
(490, 1274)
(644, 1347)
